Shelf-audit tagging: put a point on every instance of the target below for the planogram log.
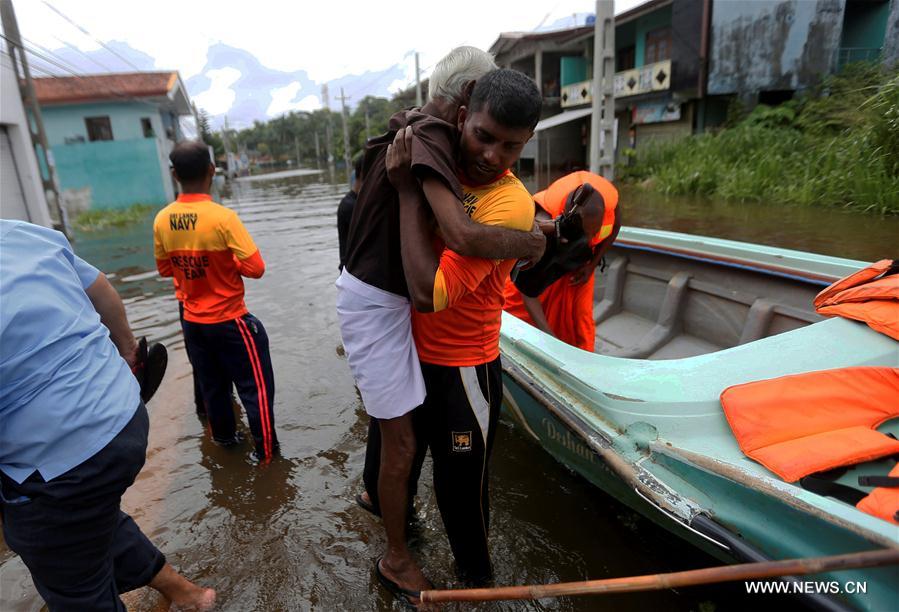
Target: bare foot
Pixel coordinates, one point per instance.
(184, 595)
(406, 574)
(203, 602)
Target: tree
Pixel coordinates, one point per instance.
(284, 136)
(208, 136)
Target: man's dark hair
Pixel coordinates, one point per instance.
(357, 166)
(190, 159)
(511, 98)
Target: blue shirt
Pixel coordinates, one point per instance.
(66, 391)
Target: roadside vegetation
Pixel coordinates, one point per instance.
(106, 218)
(270, 144)
(838, 145)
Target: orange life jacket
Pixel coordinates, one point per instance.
(569, 308)
(553, 198)
(806, 423)
(883, 502)
(870, 295)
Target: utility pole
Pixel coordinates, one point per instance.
(229, 172)
(193, 108)
(346, 135)
(367, 127)
(296, 143)
(602, 123)
(417, 83)
(42, 151)
(318, 153)
(326, 102)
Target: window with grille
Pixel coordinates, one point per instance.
(147, 127)
(98, 128)
(658, 45)
(626, 58)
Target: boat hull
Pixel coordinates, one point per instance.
(726, 501)
(651, 432)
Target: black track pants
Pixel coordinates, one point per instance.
(458, 423)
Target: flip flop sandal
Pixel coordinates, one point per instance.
(150, 367)
(404, 595)
(367, 505)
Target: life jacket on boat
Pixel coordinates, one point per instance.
(870, 295)
(568, 308)
(801, 425)
(883, 502)
(805, 423)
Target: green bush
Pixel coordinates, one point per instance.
(105, 218)
(835, 146)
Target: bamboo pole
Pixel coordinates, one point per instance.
(655, 582)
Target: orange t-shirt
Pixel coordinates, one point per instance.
(206, 249)
(468, 291)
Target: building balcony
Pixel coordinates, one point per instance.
(645, 79)
(642, 80)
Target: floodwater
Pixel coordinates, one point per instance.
(288, 536)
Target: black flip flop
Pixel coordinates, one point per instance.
(150, 367)
(367, 505)
(403, 594)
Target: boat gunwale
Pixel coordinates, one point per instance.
(781, 490)
(803, 266)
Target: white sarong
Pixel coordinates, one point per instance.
(376, 328)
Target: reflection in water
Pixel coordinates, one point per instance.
(288, 536)
(251, 493)
(828, 231)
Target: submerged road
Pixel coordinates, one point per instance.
(288, 536)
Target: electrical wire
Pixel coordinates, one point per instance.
(31, 67)
(68, 66)
(88, 57)
(74, 74)
(84, 31)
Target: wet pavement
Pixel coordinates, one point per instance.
(288, 536)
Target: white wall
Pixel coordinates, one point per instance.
(12, 116)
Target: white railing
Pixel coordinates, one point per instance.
(645, 79)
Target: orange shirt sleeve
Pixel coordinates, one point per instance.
(507, 206)
(238, 239)
(251, 267)
(164, 267)
(458, 276)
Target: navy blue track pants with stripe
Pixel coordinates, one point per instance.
(235, 351)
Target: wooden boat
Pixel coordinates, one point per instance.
(681, 318)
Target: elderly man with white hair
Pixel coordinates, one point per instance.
(373, 303)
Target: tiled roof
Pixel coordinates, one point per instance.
(60, 90)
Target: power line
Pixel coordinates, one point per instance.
(97, 40)
(40, 56)
(70, 66)
(32, 67)
(74, 74)
(89, 58)
(373, 81)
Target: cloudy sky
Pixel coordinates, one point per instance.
(325, 39)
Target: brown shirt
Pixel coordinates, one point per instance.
(373, 244)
